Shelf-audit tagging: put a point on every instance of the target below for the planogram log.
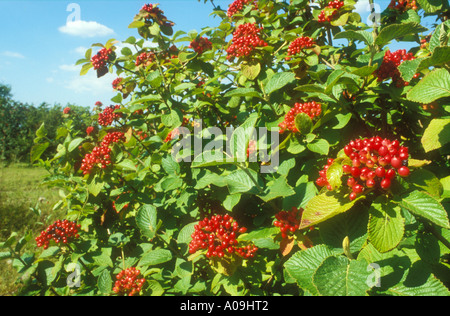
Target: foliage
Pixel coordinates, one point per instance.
(138, 207)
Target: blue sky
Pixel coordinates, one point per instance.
(38, 50)
(37, 54)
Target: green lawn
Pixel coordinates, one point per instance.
(20, 190)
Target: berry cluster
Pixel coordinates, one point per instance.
(218, 235)
(128, 282)
(102, 57)
(153, 13)
(245, 39)
(312, 109)
(117, 83)
(403, 5)
(100, 155)
(389, 67)
(288, 222)
(201, 45)
(89, 130)
(335, 5)
(238, 5)
(60, 231)
(145, 59)
(108, 116)
(322, 180)
(300, 43)
(374, 163)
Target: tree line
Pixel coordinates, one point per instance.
(20, 121)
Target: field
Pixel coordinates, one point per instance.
(20, 192)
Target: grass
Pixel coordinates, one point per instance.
(20, 191)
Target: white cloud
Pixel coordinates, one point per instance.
(81, 50)
(8, 53)
(85, 29)
(69, 67)
(89, 83)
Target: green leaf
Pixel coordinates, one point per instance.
(431, 6)
(395, 31)
(418, 281)
(184, 236)
(231, 201)
(240, 182)
(74, 144)
(408, 69)
(320, 146)
(339, 276)
(146, 220)
(341, 20)
(362, 36)
(303, 123)
(104, 282)
(425, 206)
(136, 24)
(325, 206)
(38, 150)
(277, 188)
(42, 131)
(243, 92)
(386, 224)
(127, 164)
(251, 70)
(436, 135)
(351, 224)
(302, 265)
(170, 165)
(426, 181)
(5, 255)
(155, 257)
(278, 81)
(433, 86)
(334, 175)
(95, 186)
(86, 67)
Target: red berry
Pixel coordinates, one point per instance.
(218, 234)
(128, 283)
(396, 162)
(380, 172)
(385, 183)
(357, 188)
(299, 44)
(245, 39)
(312, 109)
(403, 171)
(238, 6)
(370, 183)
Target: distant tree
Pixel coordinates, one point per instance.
(20, 121)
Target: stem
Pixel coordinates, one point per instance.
(126, 69)
(123, 259)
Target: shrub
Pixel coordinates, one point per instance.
(155, 201)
